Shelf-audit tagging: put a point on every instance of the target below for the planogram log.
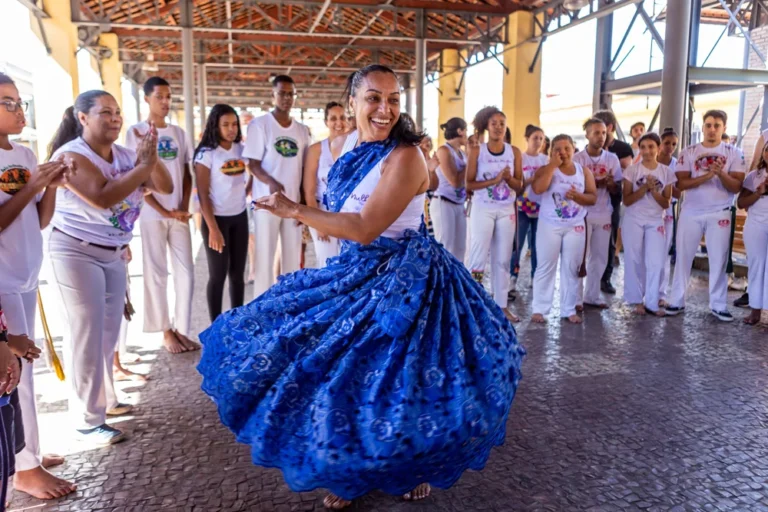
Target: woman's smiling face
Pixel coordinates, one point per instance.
(376, 105)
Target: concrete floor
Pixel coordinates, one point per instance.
(619, 413)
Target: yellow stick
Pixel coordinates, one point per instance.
(53, 358)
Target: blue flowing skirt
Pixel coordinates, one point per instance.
(388, 368)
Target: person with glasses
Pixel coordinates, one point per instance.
(92, 227)
(275, 148)
(27, 202)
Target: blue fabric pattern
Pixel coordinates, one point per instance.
(388, 368)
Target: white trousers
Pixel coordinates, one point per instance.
(598, 240)
(716, 229)
(324, 249)
(669, 234)
(553, 243)
(492, 230)
(92, 283)
(644, 257)
(157, 238)
(19, 309)
(268, 228)
(756, 243)
(450, 225)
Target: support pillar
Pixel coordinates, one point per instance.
(421, 70)
(674, 77)
(451, 99)
(521, 87)
(188, 77)
(202, 91)
(603, 56)
(56, 83)
(407, 97)
(112, 68)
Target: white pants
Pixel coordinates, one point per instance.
(19, 309)
(92, 283)
(669, 233)
(756, 243)
(565, 243)
(598, 240)
(492, 230)
(324, 249)
(268, 227)
(716, 229)
(644, 244)
(450, 225)
(158, 236)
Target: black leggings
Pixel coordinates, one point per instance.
(230, 262)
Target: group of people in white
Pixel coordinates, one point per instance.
(489, 199)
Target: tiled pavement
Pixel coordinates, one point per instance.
(620, 413)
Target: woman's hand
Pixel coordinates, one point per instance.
(146, 152)
(572, 194)
(23, 347)
(277, 204)
(216, 239)
(556, 160)
(10, 371)
(761, 188)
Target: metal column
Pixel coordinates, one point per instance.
(421, 70)
(406, 95)
(202, 92)
(603, 72)
(188, 67)
(137, 99)
(674, 77)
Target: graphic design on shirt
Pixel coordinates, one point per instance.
(565, 208)
(233, 167)
(641, 181)
(703, 162)
(499, 192)
(167, 149)
(125, 215)
(286, 147)
(599, 171)
(13, 178)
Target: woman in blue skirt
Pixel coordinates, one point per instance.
(390, 368)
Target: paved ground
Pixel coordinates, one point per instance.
(620, 413)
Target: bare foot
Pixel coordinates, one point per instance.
(511, 316)
(574, 319)
(754, 317)
(663, 303)
(660, 313)
(189, 345)
(51, 460)
(123, 375)
(639, 309)
(419, 493)
(41, 484)
(335, 503)
(579, 308)
(538, 318)
(172, 344)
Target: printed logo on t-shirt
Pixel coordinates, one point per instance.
(125, 214)
(703, 162)
(167, 149)
(233, 167)
(724, 223)
(641, 181)
(13, 178)
(499, 192)
(565, 208)
(287, 147)
(599, 171)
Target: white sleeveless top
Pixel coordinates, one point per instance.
(411, 216)
(555, 208)
(323, 167)
(488, 167)
(113, 226)
(444, 187)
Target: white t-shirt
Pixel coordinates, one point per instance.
(175, 152)
(281, 152)
(529, 201)
(711, 196)
(555, 208)
(112, 226)
(758, 212)
(444, 187)
(228, 178)
(669, 214)
(647, 209)
(488, 167)
(21, 244)
(601, 166)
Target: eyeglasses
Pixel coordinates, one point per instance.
(13, 106)
(286, 94)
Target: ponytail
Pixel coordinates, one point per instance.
(70, 127)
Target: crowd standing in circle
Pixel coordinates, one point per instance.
(363, 192)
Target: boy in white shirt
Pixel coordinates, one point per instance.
(275, 149)
(711, 173)
(165, 225)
